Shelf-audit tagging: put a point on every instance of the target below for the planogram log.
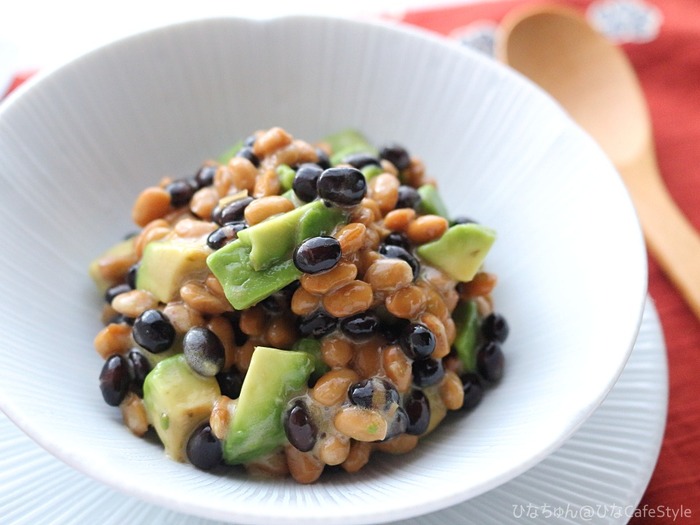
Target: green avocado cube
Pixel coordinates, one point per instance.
(244, 286)
(257, 427)
(460, 251)
(371, 170)
(259, 263)
(438, 411)
(318, 219)
(348, 142)
(226, 156)
(292, 197)
(177, 401)
(286, 175)
(274, 240)
(166, 265)
(466, 320)
(431, 202)
(313, 348)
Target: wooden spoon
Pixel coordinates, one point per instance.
(594, 81)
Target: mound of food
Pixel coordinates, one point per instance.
(293, 306)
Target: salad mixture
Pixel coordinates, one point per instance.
(294, 307)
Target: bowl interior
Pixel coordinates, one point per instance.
(79, 143)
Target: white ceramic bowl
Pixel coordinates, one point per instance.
(77, 145)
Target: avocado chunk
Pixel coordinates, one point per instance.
(431, 202)
(460, 251)
(123, 249)
(274, 239)
(226, 156)
(244, 286)
(291, 196)
(177, 401)
(286, 175)
(438, 410)
(371, 170)
(166, 265)
(273, 379)
(318, 219)
(466, 320)
(259, 263)
(348, 142)
(313, 348)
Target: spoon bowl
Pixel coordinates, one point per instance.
(595, 83)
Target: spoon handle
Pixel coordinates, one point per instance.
(671, 239)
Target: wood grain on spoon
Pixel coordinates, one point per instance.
(594, 81)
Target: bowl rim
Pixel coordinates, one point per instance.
(405, 509)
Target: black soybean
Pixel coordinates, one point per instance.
(417, 341)
(204, 449)
(115, 290)
(391, 394)
(139, 367)
(284, 296)
(230, 383)
(131, 275)
(120, 318)
(204, 351)
(417, 408)
(181, 192)
(154, 331)
(271, 304)
(463, 220)
(490, 362)
(225, 234)
(247, 153)
(239, 338)
(397, 155)
(305, 181)
(205, 176)
(397, 252)
(317, 254)
(376, 393)
(317, 324)
(473, 390)
(392, 330)
(362, 394)
(495, 327)
(279, 302)
(408, 197)
(427, 372)
(360, 160)
(323, 159)
(299, 427)
(232, 212)
(398, 424)
(342, 186)
(114, 380)
(360, 327)
(398, 239)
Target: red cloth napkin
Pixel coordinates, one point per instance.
(668, 65)
(16, 80)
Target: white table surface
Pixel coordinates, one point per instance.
(44, 33)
